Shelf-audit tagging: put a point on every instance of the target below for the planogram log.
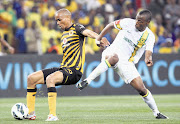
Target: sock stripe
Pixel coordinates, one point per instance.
(146, 93)
(51, 89)
(31, 90)
(107, 63)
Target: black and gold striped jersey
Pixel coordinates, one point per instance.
(73, 45)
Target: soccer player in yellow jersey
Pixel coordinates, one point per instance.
(71, 68)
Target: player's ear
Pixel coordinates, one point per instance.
(67, 19)
(147, 22)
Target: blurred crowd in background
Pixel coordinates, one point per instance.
(29, 25)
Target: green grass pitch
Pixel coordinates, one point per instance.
(124, 109)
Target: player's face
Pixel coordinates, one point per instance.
(141, 22)
(61, 21)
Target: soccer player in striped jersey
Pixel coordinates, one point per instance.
(133, 39)
(71, 70)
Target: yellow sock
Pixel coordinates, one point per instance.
(52, 102)
(31, 96)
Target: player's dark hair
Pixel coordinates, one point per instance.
(147, 13)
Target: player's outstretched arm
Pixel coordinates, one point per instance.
(148, 58)
(90, 33)
(4, 43)
(103, 42)
(105, 30)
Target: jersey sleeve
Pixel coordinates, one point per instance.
(123, 23)
(79, 29)
(117, 24)
(150, 42)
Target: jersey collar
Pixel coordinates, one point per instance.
(67, 29)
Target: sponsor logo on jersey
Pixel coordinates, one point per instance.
(128, 32)
(130, 42)
(65, 43)
(70, 32)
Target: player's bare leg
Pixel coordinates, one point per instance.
(137, 83)
(102, 67)
(51, 80)
(33, 79)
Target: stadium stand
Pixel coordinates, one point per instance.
(17, 16)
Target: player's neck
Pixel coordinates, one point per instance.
(70, 24)
(142, 30)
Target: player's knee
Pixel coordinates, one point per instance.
(142, 91)
(106, 57)
(49, 80)
(114, 59)
(30, 81)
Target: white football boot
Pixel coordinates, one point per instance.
(31, 117)
(52, 118)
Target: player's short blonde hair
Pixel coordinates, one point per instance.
(64, 11)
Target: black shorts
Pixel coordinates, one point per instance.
(70, 75)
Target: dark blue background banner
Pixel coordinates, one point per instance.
(162, 78)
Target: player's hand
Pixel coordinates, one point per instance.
(103, 42)
(11, 50)
(99, 38)
(149, 62)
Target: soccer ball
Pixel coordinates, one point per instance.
(19, 111)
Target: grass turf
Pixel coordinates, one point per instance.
(98, 110)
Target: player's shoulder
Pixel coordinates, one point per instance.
(79, 25)
(129, 20)
(124, 20)
(127, 23)
(150, 32)
(79, 28)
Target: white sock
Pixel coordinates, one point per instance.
(149, 100)
(102, 67)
